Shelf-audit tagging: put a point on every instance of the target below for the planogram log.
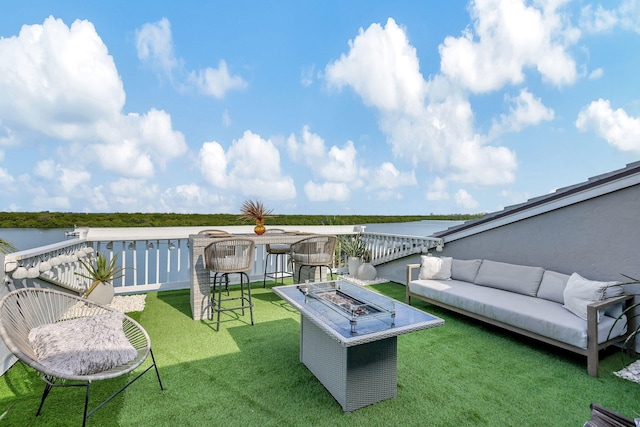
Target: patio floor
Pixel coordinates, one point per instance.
(464, 373)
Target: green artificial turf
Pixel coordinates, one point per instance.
(461, 374)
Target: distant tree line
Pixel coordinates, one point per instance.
(69, 220)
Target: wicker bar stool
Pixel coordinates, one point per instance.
(316, 251)
(280, 250)
(224, 257)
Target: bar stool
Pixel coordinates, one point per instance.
(316, 251)
(280, 250)
(224, 257)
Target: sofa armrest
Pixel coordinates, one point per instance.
(601, 305)
(592, 329)
(410, 268)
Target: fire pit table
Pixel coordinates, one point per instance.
(348, 338)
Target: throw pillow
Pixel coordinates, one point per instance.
(435, 268)
(83, 346)
(581, 292)
(465, 270)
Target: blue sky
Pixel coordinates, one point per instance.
(332, 107)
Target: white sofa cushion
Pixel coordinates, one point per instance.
(83, 346)
(465, 269)
(552, 286)
(581, 292)
(521, 279)
(438, 268)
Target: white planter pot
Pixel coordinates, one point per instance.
(367, 272)
(354, 263)
(102, 293)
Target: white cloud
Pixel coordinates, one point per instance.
(429, 123)
(596, 74)
(5, 176)
(61, 82)
(154, 44)
(328, 191)
(58, 80)
(388, 177)
(382, 67)
(250, 166)
(71, 179)
(597, 20)
(307, 75)
(216, 82)
(335, 165)
(465, 200)
(615, 126)
(437, 190)
(525, 111)
(507, 37)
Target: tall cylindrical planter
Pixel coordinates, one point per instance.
(354, 263)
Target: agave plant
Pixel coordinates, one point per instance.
(101, 271)
(353, 246)
(630, 314)
(254, 210)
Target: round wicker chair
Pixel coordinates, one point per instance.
(27, 308)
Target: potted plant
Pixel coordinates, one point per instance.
(354, 249)
(102, 273)
(255, 210)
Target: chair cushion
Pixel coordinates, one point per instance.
(437, 268)
(581, 292)
(552, 286)
(465, 269)
(521, 279)
(83, 346)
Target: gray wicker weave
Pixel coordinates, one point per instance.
(281, 252)
(24, 309)
(199, 275)
(229, 256)
(315, 251)
(358, 369)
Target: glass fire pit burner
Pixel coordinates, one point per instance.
(350, 301)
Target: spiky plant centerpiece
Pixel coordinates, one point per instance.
(103, 273)
(254, 210)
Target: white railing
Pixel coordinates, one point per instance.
(158, 258)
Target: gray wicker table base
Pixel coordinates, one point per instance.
(355, 376)
(360, 368)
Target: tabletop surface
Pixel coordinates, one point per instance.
(407, 319)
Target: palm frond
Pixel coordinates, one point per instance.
(254, 210)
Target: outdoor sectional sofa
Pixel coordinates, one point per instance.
(567, 311)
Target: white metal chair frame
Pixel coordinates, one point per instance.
(224, 257)
(26, 308)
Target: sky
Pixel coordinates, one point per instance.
(336, 107)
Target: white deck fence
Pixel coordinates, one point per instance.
(156, 259)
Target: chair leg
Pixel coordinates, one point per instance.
(153, 359)
(266, 262)
(47, 389)
(218, 306)
(249, 294)
(242, 292)
(86, 404)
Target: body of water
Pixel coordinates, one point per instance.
(28, 238)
